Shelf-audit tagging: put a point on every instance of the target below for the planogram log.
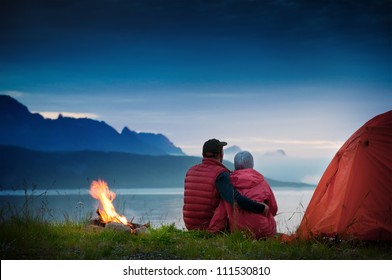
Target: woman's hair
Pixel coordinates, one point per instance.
(243, 160)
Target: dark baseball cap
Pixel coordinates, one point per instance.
(213, 146)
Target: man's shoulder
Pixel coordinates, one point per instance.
(195, 166)
(205, 169)
(224, 174)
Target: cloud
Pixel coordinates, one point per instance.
(319, 144)
(76, 115)
(278, 153)
(292, 168)
(302, 142)
(12, 93)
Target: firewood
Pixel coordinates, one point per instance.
(118, 226)
(129, 227)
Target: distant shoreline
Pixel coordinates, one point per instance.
(120, 191)
(26, 169)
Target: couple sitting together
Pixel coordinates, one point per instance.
(216, 199)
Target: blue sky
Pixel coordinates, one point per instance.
(300, 76)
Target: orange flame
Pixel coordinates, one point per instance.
(100, 191)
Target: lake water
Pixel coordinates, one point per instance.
(157, 206)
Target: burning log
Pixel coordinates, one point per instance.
(128, 227)
(107, 215)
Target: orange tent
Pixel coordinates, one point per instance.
(354, 196)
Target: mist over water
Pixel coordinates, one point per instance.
(290, 169)
(157, 206)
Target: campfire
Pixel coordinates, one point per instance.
(107, 215)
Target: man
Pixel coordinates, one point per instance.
(209, 182)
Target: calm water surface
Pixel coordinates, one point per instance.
(157, 206)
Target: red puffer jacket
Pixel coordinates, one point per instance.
(201, 196)
(249, 183)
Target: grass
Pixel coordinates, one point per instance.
(26, 234)
(27, 239)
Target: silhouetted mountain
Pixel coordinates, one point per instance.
(19, 127)
(232, 150)
(69, 153)
(23, 168)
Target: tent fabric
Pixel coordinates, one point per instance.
(353, 199)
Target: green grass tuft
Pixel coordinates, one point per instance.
(27, 234)
(36, 239)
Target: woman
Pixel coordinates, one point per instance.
(252, 184)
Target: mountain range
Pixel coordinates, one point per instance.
(69, 153)
(29, 169)
(26, 169)
(20, 127)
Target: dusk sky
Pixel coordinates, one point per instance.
(300, 76)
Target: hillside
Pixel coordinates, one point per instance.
(22, 128)
(77, 169)
(23, 168)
